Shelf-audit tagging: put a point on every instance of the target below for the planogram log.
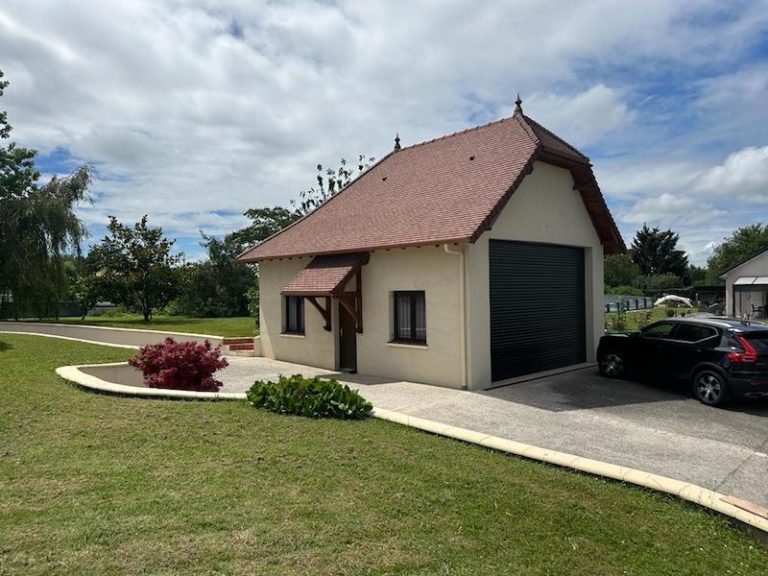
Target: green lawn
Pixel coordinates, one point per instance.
(241, 326)
(96, 484)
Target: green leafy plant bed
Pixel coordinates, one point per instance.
(311, 397)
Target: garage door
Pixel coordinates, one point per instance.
(537, 308)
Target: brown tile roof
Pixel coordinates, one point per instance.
(325, 275)
(446, 190)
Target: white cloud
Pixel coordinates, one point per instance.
(183, 117)
(743, 174)
(582, 118)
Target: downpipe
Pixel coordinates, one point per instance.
(463, 311)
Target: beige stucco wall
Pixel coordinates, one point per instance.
(757, 266)
(316, 346)
(545, 208)
(437, 273)
(429, 269)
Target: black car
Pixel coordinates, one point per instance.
(720, 357)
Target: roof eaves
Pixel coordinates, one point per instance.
(615, 243)
(419, 244)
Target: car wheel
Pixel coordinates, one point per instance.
(710, 388)
(611, 365)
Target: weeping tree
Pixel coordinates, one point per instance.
(39, 227)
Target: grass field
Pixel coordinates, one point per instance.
(240, 326)
(96, 484)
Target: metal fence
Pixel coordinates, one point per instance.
(613, 301)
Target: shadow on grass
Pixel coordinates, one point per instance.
(4, 346)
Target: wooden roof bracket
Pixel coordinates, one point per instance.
(325, 312)
(353, 301)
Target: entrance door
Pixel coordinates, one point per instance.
(347, 341)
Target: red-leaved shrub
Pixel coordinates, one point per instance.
(180, 365)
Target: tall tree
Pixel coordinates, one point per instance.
(655, 252)
(330, 182)
(736, 248)
(265, 222)
(620, 270)
(219, 285)
(38, 227)
(137, 267)
(270, 220)
(84, 280)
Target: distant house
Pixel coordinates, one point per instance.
(746, 287)
(465, 261)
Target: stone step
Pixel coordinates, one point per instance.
(244, 353)
(237, 347)
(237, 340)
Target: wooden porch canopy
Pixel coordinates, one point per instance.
(326, 277)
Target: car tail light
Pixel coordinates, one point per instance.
(748, 355)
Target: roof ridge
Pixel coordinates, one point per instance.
(521, 119)
(457, 133)
(556, 137)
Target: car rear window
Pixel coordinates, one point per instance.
(694, 333)
(660, 330)
(759, 341)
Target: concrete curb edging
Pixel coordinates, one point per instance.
(74, 374)
(690, 492)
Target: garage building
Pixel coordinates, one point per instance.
(466, 261)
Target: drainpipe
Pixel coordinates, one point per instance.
(463, 306)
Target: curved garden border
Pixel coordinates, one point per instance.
(80, 377)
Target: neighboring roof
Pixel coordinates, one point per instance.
(745, 261)
(447, 190)
(325, 275)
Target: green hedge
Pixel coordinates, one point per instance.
(310, 397)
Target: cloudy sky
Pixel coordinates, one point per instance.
(193, 111)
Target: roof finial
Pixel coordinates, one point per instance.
(518, 104)
(397, 142)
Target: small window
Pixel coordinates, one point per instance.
(410, 316)
(294, 315)
(660, 330)
(694, 333)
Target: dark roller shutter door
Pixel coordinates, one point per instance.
(537, 308)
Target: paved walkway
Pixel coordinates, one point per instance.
(650, 428)
(104, 334)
